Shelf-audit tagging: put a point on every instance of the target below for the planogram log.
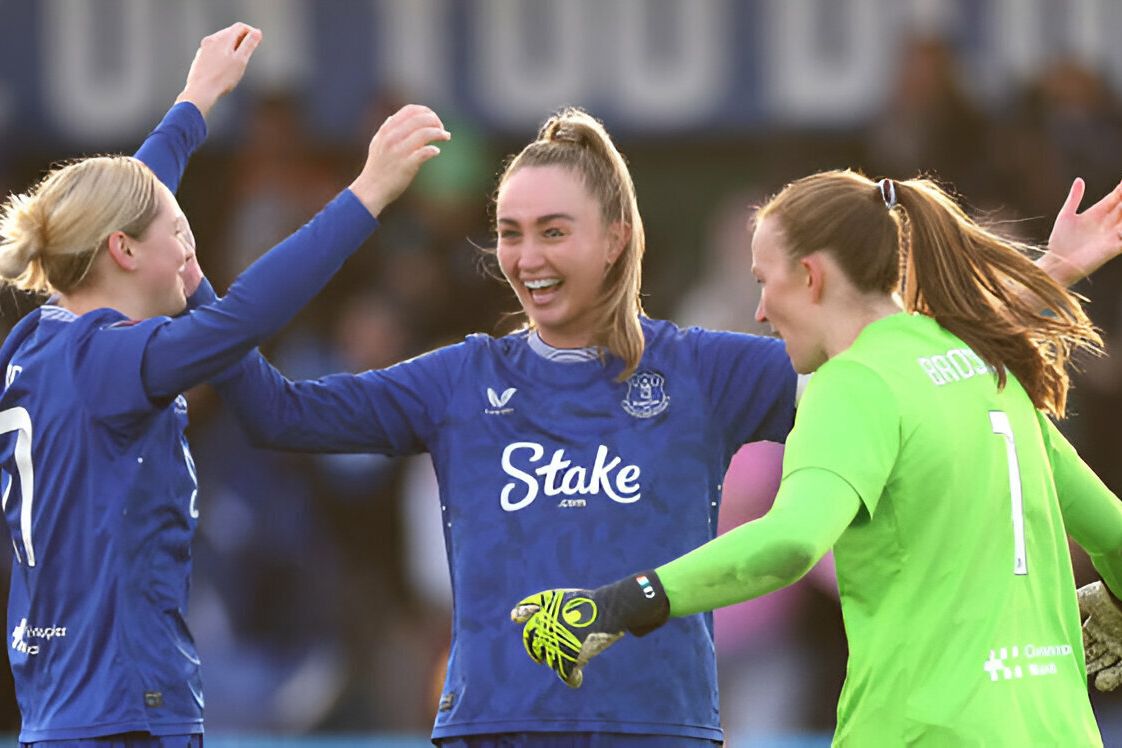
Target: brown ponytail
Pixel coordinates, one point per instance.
(912, 237)
(985, 289)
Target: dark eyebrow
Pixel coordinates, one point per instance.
(543, 219)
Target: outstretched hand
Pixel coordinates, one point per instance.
(401, 145)
(219, 65)
(1081, 243)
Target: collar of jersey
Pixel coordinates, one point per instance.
(565, 374)
(560, 355)
(57, 313)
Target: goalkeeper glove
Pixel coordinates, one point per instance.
(565, 628)
(1102, 634)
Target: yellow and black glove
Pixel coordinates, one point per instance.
(565, 628)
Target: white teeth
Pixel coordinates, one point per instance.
(534, 285)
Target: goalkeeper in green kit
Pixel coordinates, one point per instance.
(924, 455)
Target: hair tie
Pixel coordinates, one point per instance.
(887, 192)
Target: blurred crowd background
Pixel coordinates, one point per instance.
(320, 594)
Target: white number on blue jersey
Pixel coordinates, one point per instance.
(18, 420)
(193, 508)
(999, 420)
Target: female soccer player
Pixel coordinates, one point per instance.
(924, 456)
(593, 440)
(99, 487)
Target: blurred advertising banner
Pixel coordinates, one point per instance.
(99, 71)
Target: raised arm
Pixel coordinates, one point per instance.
(1081, 243)
(195, 347)
(219, 65)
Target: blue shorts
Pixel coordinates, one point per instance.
(574, 740)
(124, 740)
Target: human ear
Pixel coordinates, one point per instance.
(815, 278)
(119, 250)
(619, 234)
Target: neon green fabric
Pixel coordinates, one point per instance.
(1092, 513)
(955, 579)
(813, 507)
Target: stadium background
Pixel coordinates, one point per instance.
(320, 593)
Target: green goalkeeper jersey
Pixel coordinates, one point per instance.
(956, 583)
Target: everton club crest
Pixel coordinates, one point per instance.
(646, 394)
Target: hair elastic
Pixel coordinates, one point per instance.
(887, 192)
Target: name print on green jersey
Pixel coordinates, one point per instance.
(955, 365)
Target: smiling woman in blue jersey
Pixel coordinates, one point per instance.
(99, 485)
(591, 442)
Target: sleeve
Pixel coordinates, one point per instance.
(1092, 513)
(394, 411)
(751, 385)
(194, 347)
(811, 511)
(168, 148)
(203, 295)
(849, 424)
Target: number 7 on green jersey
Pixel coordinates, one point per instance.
(999, 420)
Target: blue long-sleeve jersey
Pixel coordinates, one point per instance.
(99, 490)
(550, 472)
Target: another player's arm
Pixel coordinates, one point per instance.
(812, 509)
(218, 66)
(1081, 243)
(393, 411)
(196, 347)
(1092, 513)
(565, 628)
(826, 482)
(1093, 517)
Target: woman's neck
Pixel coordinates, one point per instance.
(848, 323)
(82, 301)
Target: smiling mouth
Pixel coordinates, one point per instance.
(542, 283)
(544, 289)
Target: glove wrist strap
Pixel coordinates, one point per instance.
(639, 601)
